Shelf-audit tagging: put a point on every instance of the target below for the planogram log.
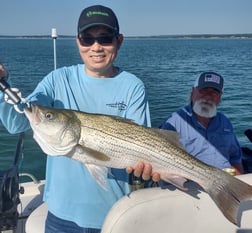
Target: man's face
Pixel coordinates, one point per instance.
(205, 101)
(98, 48)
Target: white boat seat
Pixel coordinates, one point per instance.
(36, 221)
(161, 211)
(174, 211)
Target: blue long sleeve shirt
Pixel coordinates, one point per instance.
(70, 191)
(215, 145)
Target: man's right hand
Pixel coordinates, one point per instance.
(3, 72)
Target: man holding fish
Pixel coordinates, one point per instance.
(79, 120)
(76, 202)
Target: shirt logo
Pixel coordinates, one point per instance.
(121, 106)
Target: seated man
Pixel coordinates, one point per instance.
(205, 133)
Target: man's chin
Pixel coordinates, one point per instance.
(205, 112)
(206, 115)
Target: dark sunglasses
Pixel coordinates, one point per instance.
(87, 40)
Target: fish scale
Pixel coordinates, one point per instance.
(142, 154)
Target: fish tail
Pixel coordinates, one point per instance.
(228, 192)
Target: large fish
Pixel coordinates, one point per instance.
(109, 141)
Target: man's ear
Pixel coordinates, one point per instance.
(119, 40)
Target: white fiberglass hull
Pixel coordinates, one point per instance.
(148, 210)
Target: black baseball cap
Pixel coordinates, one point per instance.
(97, 15)
(209, 79)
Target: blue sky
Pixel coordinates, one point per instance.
(136, 17)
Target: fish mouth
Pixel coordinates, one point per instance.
(32, 113)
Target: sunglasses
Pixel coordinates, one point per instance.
(87, 40)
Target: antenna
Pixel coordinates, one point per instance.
(54, 36)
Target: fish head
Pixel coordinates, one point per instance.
(57, 131)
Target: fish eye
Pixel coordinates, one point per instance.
(49, 115)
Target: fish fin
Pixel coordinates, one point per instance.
(94, 154)
(87, 156)
(171, 135)
(99, 174)
(228, 192)
(130, 121)
(177, 181)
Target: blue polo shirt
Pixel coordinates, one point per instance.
(215, 145)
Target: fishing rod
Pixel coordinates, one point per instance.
(9, 179)
(12, 95)
(5, 88)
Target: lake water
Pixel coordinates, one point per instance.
(168, 67)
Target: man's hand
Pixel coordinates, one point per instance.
(144, 170)
(3, 72)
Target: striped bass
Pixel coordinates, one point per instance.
(101, 142)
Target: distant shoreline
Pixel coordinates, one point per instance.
(186, 36)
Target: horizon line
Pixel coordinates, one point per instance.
(139, 36)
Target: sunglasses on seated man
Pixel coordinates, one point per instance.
(88, 40)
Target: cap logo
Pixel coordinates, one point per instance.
(91, 13)
(212, 78)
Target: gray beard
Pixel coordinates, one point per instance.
(205, 108)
